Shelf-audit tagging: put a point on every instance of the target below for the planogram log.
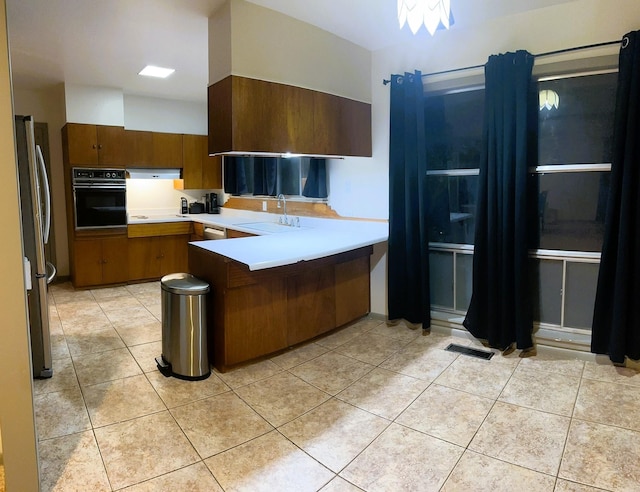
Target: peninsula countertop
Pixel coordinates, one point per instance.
(276, 245)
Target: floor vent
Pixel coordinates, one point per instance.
(480, 354)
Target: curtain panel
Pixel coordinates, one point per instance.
(316, 184)
(235, 180)
(616, 317)
(408, 293)
(265, 176)
(500, 311)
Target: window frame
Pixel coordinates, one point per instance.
(301, 179)
(561, 335)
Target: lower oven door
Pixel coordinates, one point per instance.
(103, 206)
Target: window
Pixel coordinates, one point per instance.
(579, 130)
(568, 188)
(270, 176)
(453, 123)
(574, 162)
(572, 183)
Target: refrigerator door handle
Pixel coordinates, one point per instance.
(51, 270)
(47, 194)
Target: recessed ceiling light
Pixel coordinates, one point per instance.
(151, 71)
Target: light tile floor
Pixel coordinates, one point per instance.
(370, 407)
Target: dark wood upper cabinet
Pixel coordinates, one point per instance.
(249, 115)
(140, 147)
(167, 150)
(95, 145)
(199, 171)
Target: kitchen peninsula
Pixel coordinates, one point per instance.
(278, 289)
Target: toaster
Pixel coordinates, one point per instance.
(196, 208)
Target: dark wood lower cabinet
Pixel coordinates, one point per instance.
(251, 314)
(100, 261)
(154, 257)
(352, 294)
(312, 299)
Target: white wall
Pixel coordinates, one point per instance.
(359, 187)
(220, 44)
(164, 115)
(268, 45)
(94, 105)
(107, 106)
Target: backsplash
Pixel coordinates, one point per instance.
(158, 194)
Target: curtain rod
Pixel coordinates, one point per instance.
(548, 53)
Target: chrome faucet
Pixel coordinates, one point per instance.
(283, 220)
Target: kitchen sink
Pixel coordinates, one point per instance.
(270, 227)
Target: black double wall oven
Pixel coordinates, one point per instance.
(99, 197)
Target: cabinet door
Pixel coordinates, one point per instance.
(174, 253)
(87, 261)
(352, 290)
(112, 146)
(311, 307)
(82, 144)
(193, 152)
(199, 171)
(211, 170)
(198, 232)
(140, 148)
(167, 150)
(115, 260)
(144, 258)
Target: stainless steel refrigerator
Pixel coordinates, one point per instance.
(35, 202)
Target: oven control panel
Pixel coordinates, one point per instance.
(84, 175)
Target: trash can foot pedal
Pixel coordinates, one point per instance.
(163, 366)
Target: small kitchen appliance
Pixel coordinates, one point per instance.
(196, 208)
(184, 207)
(212, 203)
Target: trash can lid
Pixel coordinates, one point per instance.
(184, 283)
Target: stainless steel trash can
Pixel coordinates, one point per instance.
(184, 327)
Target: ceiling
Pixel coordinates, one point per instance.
(107, 42)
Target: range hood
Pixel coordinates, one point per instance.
(146, 173)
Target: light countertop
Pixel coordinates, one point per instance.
(275, 245)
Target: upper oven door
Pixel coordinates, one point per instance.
(99, 206)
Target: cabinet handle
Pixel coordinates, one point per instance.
(104, 261)
(94, 146)
(99, 146)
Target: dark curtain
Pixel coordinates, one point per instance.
(500, 307)
(408, 253)
(316, 184)
(235, 180)
(616, 318)
(265, 176)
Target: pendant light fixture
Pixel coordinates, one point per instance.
(549, 99)
(434, 14)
